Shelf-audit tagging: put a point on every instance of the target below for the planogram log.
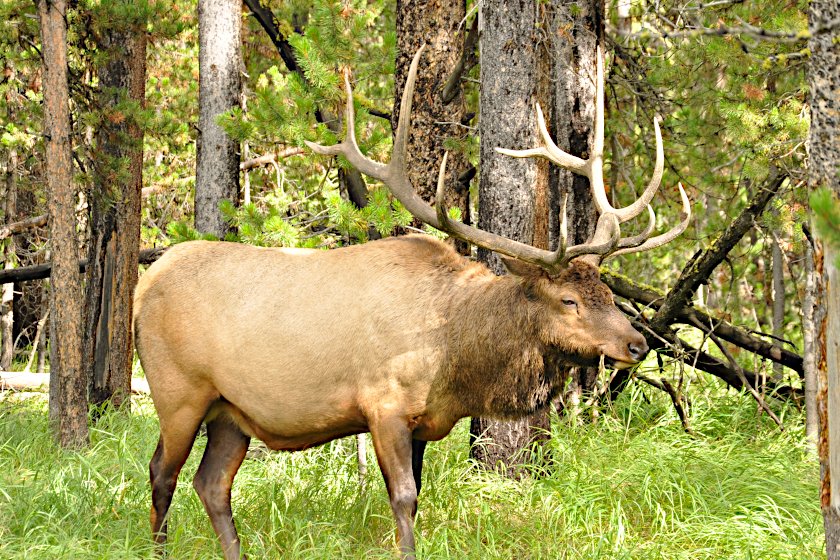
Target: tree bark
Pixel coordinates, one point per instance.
(69, 399)
(115, 219)
(219, 61)
(440, 26)
(809, 322)
(7, 315)
(579, 29)
(778, 301)
(824, 161)
(510, 65)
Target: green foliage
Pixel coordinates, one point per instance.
(632, 485)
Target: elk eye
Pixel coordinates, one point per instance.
(569, 303)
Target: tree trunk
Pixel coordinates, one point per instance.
(510, 189)
(581, 29)
(219, 61)
(440, 26)
(824, 137)
(809, 364)
(778, 302)
(7, 315)
(115, 220)
(69, 394)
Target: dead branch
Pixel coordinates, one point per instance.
(464, 64)
(20, 381)
(676, 398)
(689, 315)
(699, 268)
(23, 225)
(40, 271)
(740, 371)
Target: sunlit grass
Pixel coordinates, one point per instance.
(631, 486)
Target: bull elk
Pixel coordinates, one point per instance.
(298, 347)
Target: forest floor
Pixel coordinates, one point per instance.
(632, 485)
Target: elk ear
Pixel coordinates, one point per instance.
(522, 269)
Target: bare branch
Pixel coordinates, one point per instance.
(740, 371)
(23, 225)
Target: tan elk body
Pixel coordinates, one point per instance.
(400, 337)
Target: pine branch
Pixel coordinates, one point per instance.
(355, 183)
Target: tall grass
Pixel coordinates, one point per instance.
(631, 486)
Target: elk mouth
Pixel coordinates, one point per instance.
(618, 364)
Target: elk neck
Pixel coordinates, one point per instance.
(495, 364)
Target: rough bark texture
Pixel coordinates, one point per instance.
(509, 88)
(115, 222)
(824, 161)
(438, 25)
(219, 62)
(578, 29)
(7, 350)
(778, 301)
(808, 332)
(69, 395)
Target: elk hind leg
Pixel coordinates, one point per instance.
(225, 451)
(177, 435)
(418, 448)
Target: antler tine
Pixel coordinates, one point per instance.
(564, 225)
(666, 237)
(349, 148)
(634, 209)
(593, 168)
(549, 150)
(442, 216)
(596, 158)
(394, 176)
(604, 241)
(636, 240)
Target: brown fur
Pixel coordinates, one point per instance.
(400, 337)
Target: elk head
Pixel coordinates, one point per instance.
(577, 315)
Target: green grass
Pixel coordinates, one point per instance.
(631, 486)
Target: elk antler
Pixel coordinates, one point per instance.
(593, 169)
(394, 176)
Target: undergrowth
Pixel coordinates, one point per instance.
(632, 485)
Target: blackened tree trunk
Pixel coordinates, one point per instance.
(511, 67)
(68, 394)
(824, 161)
(440, 26)
(115, 218)
(219, 63)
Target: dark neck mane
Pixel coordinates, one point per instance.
(496, 365)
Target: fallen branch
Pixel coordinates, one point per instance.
(23, 225)
(40, 271)
(21, 381)
(699, 268)
(666, 342)
(689, 315)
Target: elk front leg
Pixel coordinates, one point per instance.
(393, 444)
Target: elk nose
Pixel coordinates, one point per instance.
(638, 350)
